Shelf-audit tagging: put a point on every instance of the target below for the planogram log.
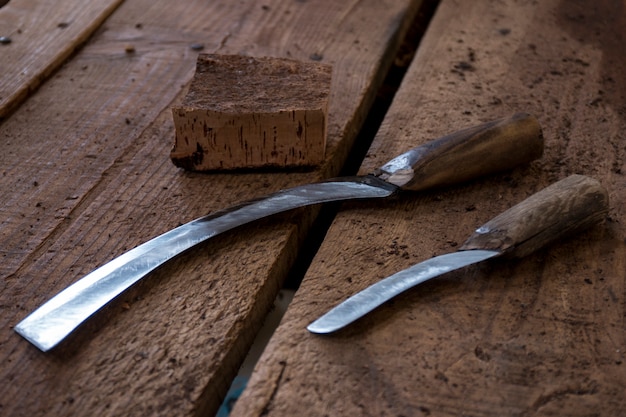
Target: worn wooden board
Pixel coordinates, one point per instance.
(86, 175)
(42, 36)
(544, 335)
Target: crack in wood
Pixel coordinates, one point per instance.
(275, 387)
(560, 394)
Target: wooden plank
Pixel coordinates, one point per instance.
(543, 335)
(42, 36)
(87, 175)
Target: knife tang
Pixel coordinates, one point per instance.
(560, 210)
(470, 153)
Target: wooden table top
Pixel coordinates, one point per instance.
(85, 98)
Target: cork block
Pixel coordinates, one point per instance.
(244, 112)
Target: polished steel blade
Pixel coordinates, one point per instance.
(367, 300)
(57, 318)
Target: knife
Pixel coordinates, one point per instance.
(562, 209)
(487, 148)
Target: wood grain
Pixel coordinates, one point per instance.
(561, 210)
(492, 147)
(43, 35)
(86, 175)
(541, 336)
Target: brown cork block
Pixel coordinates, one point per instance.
(244, 112)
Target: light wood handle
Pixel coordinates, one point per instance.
(485, 149)
(560, 210)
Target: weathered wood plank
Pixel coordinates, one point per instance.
(87, 175)
(42, 36)
(541, 336)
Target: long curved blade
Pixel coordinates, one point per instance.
(375, 295)
(57, 318)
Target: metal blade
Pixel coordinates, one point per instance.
(367, 300)
(57, 318)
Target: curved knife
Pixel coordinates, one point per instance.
(559, 210)
(460, 156)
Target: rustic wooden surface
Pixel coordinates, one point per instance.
(43, 35)
(541, 336)
(86, 175)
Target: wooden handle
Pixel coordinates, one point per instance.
(559, 210)
(488, 148)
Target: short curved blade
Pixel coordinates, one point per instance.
(57, 318)
(375, 295)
